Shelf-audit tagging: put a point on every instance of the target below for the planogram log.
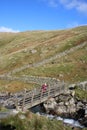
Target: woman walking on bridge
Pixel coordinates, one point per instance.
(44, 87)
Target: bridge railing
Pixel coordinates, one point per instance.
(37, 96)
(28, 99)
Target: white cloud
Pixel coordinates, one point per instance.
(79, 5)
(72, 25)
(5, 29)
(52, 3)
(82, 7)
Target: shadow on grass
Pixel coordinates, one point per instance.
(7, 127)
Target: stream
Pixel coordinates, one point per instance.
(40, 111)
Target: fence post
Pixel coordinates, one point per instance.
(24, 100)
(41, 95)
(48, 90)
(63, 86)
(16, 102)
(32, 98)
(55, 86)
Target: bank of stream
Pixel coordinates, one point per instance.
(39, 110)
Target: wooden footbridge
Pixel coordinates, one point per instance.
(35, 97)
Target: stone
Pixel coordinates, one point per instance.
(50, 104)
(33, 51)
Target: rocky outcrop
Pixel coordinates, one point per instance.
(83, 121)
(50, 105)
(67, 105)
(82, 85)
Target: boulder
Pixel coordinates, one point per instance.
(50, 104)
(66, 105)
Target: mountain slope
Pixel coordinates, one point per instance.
(58, 54)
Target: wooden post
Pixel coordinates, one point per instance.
(48, 90)
(24, 100)
(32, 98)
(54, 90)
(64, 86)
(41, 95)
(60, 87)
(16, 102)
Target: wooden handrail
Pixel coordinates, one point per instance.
(31, 98)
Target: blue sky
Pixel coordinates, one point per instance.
(24, 15)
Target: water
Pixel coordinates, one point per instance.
(4, 115)
(69, 121)
(39, 111)
(73, 123)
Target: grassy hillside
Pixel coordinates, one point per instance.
(32, 47)
(72, 67)
(60, 54)
(33, 122)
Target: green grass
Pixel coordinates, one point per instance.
(3, 109)
(34, 122)
(16, 52)
(16, 48)
(48, 71)
(73, 67)
(81, 94)
(16, 86)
